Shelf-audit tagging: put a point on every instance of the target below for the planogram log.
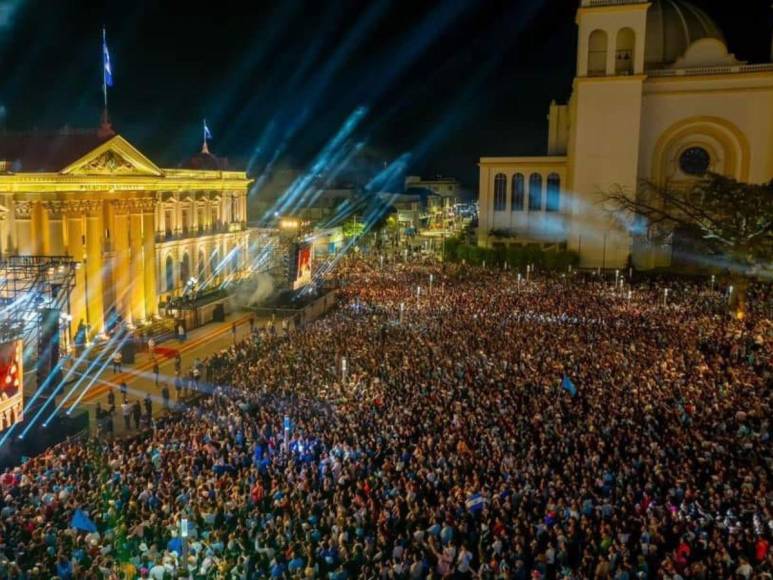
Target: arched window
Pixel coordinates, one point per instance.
(169, 273)
(552, 194)
(517, 193)
(236, 259)
(535, 192)
(234, 209)
(624, 51)
(201, 267)
(597, 53)
(214, 264)
(185, 269)
(500, 192)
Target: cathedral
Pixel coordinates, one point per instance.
(657, 97)
(140, 234)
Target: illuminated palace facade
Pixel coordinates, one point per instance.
(140, 232)
(656, 97)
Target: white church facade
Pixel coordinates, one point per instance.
(656, 97)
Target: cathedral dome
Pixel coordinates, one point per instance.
(672, 26)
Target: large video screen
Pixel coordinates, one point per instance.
(11, 384)
(303, 259)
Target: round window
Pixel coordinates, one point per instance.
(694, 161)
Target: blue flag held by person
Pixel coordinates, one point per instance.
(568, 385)
(475, 503)
(81, 522)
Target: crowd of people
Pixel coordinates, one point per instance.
(475, 426)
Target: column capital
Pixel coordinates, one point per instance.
(135, 205)
(22, 210)
(80, 207)
(55, 209)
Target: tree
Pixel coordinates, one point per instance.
(730, 218)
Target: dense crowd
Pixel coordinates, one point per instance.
(422, 430)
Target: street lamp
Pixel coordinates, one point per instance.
(86, 289)
(665, 296)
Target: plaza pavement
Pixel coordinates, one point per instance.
(139, 376)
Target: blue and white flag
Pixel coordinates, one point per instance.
(568, 385)
(207, 132)
(475, 503)
(107, 69)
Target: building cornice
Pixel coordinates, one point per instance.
(58, 183)
(536, 160)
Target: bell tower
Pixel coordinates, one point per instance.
(605, 111)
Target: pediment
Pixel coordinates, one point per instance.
(114, 157)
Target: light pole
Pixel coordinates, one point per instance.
(604, 253)
(86, 290)
(402, 311)
(665, 297)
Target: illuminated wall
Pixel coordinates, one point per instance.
(124, 218)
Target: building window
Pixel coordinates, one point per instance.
(597, 53)
(553, 193)
(169, 274)
(624, 50)
(518, 190)
(694, 161)
(234, 209)
(500, 192)
(535, 192)
(214, 264)
(185, 269)
(168, 222)
(201, 266)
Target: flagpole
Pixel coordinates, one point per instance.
(204, 147)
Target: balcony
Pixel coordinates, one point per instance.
(199, 231)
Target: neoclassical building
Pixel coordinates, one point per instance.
(656, 97)
(140, 232)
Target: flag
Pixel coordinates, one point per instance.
(475, 503)
(207, 132)
(81, 522)
(175, 545)
(107, 69)
(568, 385)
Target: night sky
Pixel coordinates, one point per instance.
(448, 82)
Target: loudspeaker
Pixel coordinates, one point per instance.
(48, 347)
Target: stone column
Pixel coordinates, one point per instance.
(76, 249)
(122, 260)
(40, 230)
(137, 282)
(94, 263)
(3, 233)
(25, 244)
(149, 249)
(53, 212)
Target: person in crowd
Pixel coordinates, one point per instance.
(497, 429)
(126, 412)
